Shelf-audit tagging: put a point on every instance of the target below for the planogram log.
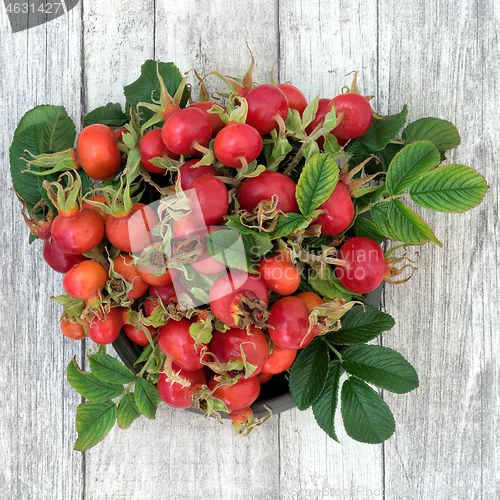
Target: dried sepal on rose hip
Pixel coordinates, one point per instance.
(240, 299)
(105, 330)
(58, 260)
(85, 281)
(366, 266)
(76, 230)
(238, 351)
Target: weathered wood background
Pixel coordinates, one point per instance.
(442, 59)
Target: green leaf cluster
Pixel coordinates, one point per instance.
(315, 377)
(104, 383)
(111, 115)
(413, 168)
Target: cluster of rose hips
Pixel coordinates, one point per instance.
(120, 275)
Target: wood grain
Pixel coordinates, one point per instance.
(37, 432)
(441, 60)
(447, 430)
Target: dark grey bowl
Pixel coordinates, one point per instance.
(274, 394)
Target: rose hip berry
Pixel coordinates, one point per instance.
(289, 320)
(237, 396)
(279, 275)
(338, 211)
(236, 144)
(238, 299)
(78, 232)
(186, 128)
(266, 185)
(178, 395)
(366, 265)
(227, 346)
(189, 174)
(97, 151)
(152, 146)
(356, 112)
(266, 105)
(175, 340)
(211, 201)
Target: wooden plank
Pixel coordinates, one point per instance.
(315, 466)
(39, 66)
(216, 39)
(320, 42)
(115, 45)
(179, 454)
(437, 60)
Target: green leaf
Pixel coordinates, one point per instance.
(450, 188)
(58, 128)
(109, 369)
(228, 246)
(310, 112)
(316, 182)
(261, 245)
(143, 356)
(43, 129)
(359, 325)
(146, 398)
(372, 197)
(26, 184)
(200, 295)
(411, 163)
(441, 133)
(287, 224)
(366, 228)
(331, 144)
(198, 280)
(305, 286)
(201, 331)
(127, 411)
(329, 287)
(380, 366)
(110, 115)
(385, 157)
(147, 86)
(408, 226)
(317, 241)
(308, 374)
(366, 416)
(234, 222)
(325, 407)
(89, 386)
(87, 184)
(93, 423)
(376, 138)
(380, 217)
(281, 148)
